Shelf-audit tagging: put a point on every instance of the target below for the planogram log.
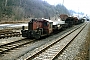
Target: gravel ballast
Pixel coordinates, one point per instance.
(78, 49)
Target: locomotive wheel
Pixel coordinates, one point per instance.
(37, 36)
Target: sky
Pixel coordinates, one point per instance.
(76, 5)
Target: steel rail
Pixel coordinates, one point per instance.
(12, 45)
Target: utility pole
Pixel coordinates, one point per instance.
(63, 5)
(78, 12)
(63, 2)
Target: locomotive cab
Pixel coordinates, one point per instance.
(47, 26)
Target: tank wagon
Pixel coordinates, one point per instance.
(71, 21)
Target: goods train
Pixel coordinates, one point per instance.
(43, 27)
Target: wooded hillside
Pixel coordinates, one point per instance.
(19, 9)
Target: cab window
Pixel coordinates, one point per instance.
(45, 24)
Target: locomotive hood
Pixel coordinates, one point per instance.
(57, 22)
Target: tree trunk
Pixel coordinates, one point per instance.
(5, 3)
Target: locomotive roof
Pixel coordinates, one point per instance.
(42, 20)
(59, 21)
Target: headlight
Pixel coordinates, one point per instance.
(58, 25)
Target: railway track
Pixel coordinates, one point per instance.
(51, 50)
(8, 33)
(12, 45)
